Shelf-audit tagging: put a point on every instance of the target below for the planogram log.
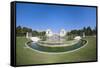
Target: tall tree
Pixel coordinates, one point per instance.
(89, 31)
(18, 29)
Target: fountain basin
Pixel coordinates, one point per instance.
(57, 47)
(57, 43)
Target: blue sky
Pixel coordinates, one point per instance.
(43, 17)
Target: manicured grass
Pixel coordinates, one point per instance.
(26, 56)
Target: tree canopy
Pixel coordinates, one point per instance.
(21, 31)
(88, 31)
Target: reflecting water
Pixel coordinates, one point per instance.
(56, 49)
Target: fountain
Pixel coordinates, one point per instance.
(54, 39)
(56, 43)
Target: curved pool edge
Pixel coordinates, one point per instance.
(43, 52)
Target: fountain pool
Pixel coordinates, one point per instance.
(56, 47)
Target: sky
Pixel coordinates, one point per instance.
(42, 17)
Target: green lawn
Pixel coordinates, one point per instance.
(26, 56)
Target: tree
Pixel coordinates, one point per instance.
(25, 29)
(35, 33)
(18, 29)
(95, 31)
(89, 31)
